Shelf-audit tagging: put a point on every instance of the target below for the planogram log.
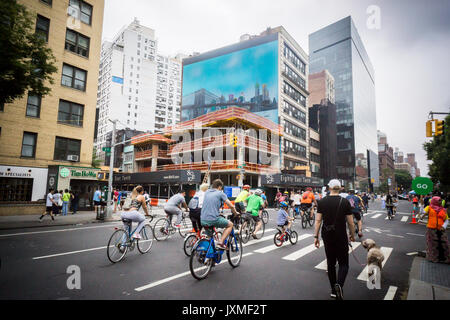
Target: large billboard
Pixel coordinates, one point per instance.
(246, 77)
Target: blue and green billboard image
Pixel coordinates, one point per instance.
(246, 78)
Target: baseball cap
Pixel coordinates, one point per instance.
(334, 183)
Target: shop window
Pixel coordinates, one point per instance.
(15, 189)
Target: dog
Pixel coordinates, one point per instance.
(374, 255)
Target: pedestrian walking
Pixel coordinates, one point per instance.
(65, 200)
(115, 199)
(75, 201)
(436, 237)
(97, 201)
(49, 204)
(58, 202)
(335, 211)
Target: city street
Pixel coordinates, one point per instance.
(34, 265)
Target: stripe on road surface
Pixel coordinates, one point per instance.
(376, 216)
(302, 252)
(60, 230)
(180, 275)
(404, 219)
(67, 253)
(273, 247)
(391, 293)
(323, 264)
(386, 252)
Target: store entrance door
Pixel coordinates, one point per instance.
(85, 190)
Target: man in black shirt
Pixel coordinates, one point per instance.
(335, 211)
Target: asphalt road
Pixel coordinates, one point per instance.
(34, 265)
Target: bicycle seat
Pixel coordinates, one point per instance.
(124, 220)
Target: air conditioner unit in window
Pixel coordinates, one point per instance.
(72, 157)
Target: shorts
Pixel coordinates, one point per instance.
(96, 203)
(255, 218)
(357, 215)
(220, 222)
(240, 207)
(306, 206)
(48, 209)
(285, 224)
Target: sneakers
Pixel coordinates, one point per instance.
(221, 246)
(137, 236)
(339, 293)
(177, 226)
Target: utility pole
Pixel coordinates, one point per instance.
(109, 206)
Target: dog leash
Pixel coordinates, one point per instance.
(353, 254)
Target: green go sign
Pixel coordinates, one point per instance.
(422, 185)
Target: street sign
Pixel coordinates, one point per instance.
(107, 149)
(422, 185)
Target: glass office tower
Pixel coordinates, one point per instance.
(338, 48)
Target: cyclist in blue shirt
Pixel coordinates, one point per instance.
(283, 217)
(263, 196)
(356, 209)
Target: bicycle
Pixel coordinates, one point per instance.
(163, 228)
(121, 241)
(191, 239)
(390, 212)
(306, 217)
(265, 216)
(205, 255)
(248, 226)
(281, 236)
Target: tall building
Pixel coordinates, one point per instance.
(321, 86)
(386, 161)
(411, 159)
(137, 85)
(48, 141)
(266, 75)
(338, 48)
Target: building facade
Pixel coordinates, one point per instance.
(338, 48)
(57, 129)
(321, 86)
(386, 161)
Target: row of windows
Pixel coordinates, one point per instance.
(63, 147)
(314, 157)
(314, 143)
(290, 164)
(294, 148)
(294, 76)
(292, 57)
(294, 130)
(294, 112)
(68, 112)
(294, 94)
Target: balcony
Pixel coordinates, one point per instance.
(148, 154)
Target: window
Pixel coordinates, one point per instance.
(294, 148)
(29, 144)
(33, 106)
(294, 112)
(81, 10)
(49, 2)
(294, 94)
(294, 77)
(15, 189)
(42, 27)
(77, 43)
(294, 59)
(314, 143)
(70, 113)
(73, 77)
(65, 147)
(294, 130)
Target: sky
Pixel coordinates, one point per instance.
(408, 43)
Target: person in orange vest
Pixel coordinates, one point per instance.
(436, 237)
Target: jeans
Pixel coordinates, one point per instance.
(74, 207)
(65, 207)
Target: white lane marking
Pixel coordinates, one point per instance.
(415, 234)
(302, 252)
(67, 253)
(387, 218)
(404, 219)
(323, 265)
(376, 216)
(392, 235)
(390, 293)
(157, 283)
(386, 252)
(60, 230)
(412, 253)
(273, 247)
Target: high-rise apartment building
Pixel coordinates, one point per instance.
(386, 161)
(137, 86)
(338, 48)
(48, 141)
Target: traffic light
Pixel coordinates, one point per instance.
(235, 141)
(232, 139)
(439, 127)
(429, 128)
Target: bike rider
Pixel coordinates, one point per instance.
(307, 202)
(173, 206)
(241, 199)
(297, 202)
(283, 217)
(390, 204)
(254, 206)
(361, 203)
(354, 202)
(210, 214)
(131, 211)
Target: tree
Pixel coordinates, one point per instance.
(96, 162)
(26, 62)
(438, 151)
(403, 178)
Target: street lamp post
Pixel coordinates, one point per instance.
(109, 205)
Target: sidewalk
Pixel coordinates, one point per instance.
(428, 280)
(80, 218)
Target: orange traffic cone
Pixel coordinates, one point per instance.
(413, 219)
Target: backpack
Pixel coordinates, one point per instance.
(193, 203)
(352, 202)
(127, 203)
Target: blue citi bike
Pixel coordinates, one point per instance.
(205, 255)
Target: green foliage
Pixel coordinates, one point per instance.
(96, 162)
(403, 179)
(26, 62)
(438, 151)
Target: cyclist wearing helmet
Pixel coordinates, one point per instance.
(241, 199)
(307, 201)
(283, 217)
(254, 205)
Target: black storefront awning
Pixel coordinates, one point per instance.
(161, 177)
(290, 180)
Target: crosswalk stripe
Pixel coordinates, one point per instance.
(404, 219)
(386, 252)
(387, 218)
(391, 293)
(273, 247)
(323, 265)
(376, 216)
(302, 252)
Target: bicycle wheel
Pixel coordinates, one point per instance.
(277, 239)
(199, 265)
(234, 252)
(160, 229)
(189, 243)
(293, 237)
(146, 242)
(245, 231)
(311, 220)
(117, 245)
(304, 220)
(265, 216)
(260, 233)
(186, 227)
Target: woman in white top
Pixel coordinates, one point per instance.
(194, 213)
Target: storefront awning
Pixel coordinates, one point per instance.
(160, 177)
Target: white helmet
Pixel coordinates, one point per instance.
(258, 192)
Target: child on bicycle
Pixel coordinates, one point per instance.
(283, 217)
